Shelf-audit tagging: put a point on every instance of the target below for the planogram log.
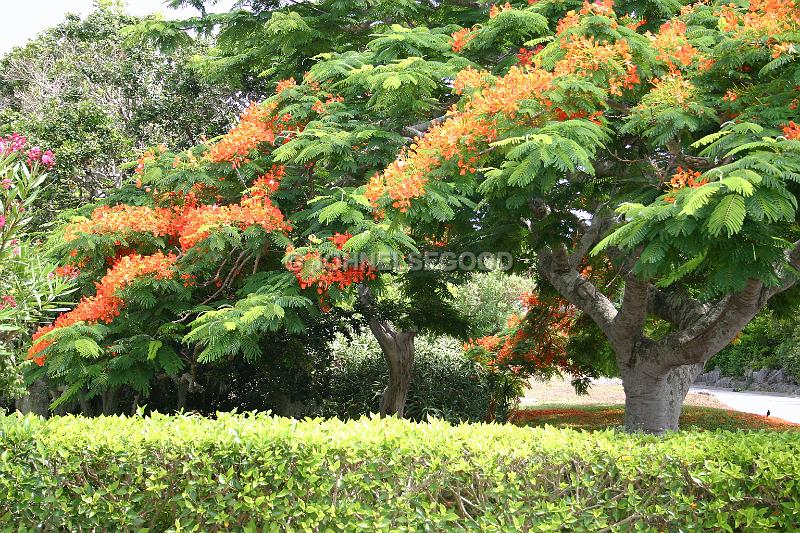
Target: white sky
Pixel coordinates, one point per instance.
(22, 20)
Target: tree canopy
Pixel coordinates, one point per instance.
(640, 160)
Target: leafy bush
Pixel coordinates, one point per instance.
(444, 384)
(255, 472)
(769, 341)
(490, 298)
(788, 353)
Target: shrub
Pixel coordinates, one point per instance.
(445, 383)
(769, 341)
(30, 287)
(251, 473)
(754, 348)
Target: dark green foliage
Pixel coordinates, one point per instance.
(444, 384)
(239, 473)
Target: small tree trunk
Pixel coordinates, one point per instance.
(182, 384)
(37, 401)
(110, 402)
(398, 352)
(653, 400)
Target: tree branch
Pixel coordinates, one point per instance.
(715, 330)
(578, 291)
(591, 236)
(418, 130)
(675, 307)
(629, 322)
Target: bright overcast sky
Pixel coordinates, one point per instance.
(22, 20)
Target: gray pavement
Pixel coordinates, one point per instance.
(780, 406)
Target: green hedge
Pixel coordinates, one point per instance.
(259, 473)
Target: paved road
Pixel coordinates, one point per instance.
(780, 406)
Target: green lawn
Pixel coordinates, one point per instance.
(595, 417)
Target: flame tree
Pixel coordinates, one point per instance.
(219, 246)
(664, 146)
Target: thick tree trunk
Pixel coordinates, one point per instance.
(398, 351)
(653, 399)
(656, 373)
(37, 400)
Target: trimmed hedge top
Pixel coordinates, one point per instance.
(256, 472)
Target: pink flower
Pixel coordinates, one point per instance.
(34, 155)
(2, 221)
(48, 159)
(6, 183)
(13, 143)
(7, 301)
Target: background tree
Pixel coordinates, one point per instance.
(318, 140)
(80, 90)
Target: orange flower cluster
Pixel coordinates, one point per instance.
(465, 133)
(764, 18)
(268, 183)
(326, 273)
(686, 178)
(462, 37)
(792, 131)
(106, 305)
(197, 224)
(191, 222)
(673, 47)
(572, 19)
(124, 219)
(285, 84)
(535, 341)
(525, 56)
(469, 79)
(586, 56)
(461, 136)
(257, 125)
(340, 239)
(496, 10)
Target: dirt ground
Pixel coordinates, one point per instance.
(602, 392)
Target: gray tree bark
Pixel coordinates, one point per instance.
(398, 352)
(653, 403)
(657, 373)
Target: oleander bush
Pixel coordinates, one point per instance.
(255, 472)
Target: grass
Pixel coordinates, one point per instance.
(598, 417)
